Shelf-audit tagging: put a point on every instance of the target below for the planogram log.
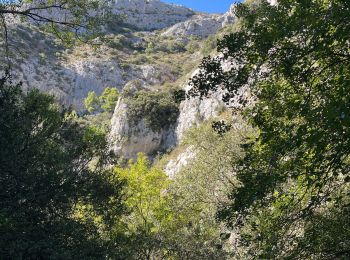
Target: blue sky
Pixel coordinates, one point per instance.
(209, 6)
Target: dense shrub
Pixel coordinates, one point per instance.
(106, 101)
(51, 196)
(157, 109)
(118, 42)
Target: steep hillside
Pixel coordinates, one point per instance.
(133, 51)
(151, 14)
(156, 48)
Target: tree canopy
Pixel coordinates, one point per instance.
(294, 59)
(51, 166)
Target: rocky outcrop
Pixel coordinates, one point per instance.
(70, 74)
(151, 14)
(127, 138)
(70, 82)
(202, 25)
(229, 17)
(142, 14)
(195, 111)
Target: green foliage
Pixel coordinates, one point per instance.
(147, 200)
(175, 219)
(164, 44)
(118, 42)
(145, 192)
(176, 46)
(91, 102)
(157, 109)
(193, 47)
(49, 165)
(200, 188)
(209, 45)
(294, 56)
(150, 47)
(108, 99)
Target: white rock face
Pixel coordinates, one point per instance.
(151, 14)
(195, 111)
(142, 14)
(71, 82)
(201, 25)
(127, 139)
(92, 75)
(174, 166)
(229, 17)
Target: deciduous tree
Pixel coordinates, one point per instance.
(294, 57)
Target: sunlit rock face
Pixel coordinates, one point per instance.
(199, 25)
(194, 111)
(142, 14)
(70, 74)
(202, 25)
(128, 138)
(151, 14)
(72, 77)
(71, 81)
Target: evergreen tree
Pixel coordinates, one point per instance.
(49, 167)
(109, 98)
(91, 102)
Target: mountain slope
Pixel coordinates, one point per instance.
(157, 47)
(154, 58)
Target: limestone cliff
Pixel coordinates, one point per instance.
(151, 14)
(128, 138)
(201, 25)
(146, 48)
